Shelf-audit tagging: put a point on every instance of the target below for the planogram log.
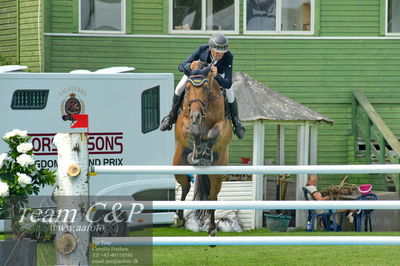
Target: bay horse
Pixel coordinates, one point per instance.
(203, 132)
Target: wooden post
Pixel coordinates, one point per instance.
(313, 145)
(303, 143)
(281, 145)
(71, 195)
(258, 159)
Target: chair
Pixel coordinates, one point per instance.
(326, 223)
(364, 216)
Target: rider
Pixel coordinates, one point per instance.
(216, 52)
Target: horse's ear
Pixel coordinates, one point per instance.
(206, 71)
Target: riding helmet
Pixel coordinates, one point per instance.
(218, 42)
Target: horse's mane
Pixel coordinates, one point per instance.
(202, 65)
(199, 67)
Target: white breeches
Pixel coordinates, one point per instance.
(181, 86)
(230, 96)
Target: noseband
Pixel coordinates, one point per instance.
(199, 81)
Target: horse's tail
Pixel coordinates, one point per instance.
(201, 187)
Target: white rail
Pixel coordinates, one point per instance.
(246, 240)
(277, 205)
(255, 240)
(251, 205)
(284, 169)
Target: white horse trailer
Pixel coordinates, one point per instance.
(124, 113)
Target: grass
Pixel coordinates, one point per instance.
(259, 255)
(274, 255)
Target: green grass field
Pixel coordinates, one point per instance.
(260, 255)
(275, 255)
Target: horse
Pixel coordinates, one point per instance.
(203, 132)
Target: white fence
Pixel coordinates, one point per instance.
(244, 240)
(264, 205)
(276, 205)
(282, 169)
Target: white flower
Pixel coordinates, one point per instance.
(24, 147)
(25, 160)
(16, 132)
(3, 157)
(24, 179)
(3, 189)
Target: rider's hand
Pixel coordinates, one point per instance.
(192, 65)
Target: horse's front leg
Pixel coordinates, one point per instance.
(195, 156)
(212, 137)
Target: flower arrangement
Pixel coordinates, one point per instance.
(19, 176)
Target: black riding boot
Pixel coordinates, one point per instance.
(238, 129)
(170, 119)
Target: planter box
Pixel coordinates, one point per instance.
(18, 252)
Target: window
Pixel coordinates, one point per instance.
(393, 17)
(29, 99)
(102, 16)
(204, 16)
(278, 16)
(150, 109)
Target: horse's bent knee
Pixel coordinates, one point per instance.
(213, 133)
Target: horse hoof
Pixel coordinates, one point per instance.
(178, 221)
(205, 162)
(213, 232)
(192, 161)
(207, 159)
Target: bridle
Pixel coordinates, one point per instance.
(199, 81)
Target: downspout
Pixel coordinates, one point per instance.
(39, 39)
(17, 33)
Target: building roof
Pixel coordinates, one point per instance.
(258, 102)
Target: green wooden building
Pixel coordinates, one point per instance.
(317, 52)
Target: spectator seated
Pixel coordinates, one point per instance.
(327, 217)
(363, 217)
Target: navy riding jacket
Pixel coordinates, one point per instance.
(224, 66)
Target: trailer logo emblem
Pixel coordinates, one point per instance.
(71, 106)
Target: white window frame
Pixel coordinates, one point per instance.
(203, 21)
(386, 21)
(123, 21)
(278, 30)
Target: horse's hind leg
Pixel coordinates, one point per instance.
(184, 181)
(215, 188)
(216, 184)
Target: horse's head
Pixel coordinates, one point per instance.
(198, 93)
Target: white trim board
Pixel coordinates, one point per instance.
(229, 36)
